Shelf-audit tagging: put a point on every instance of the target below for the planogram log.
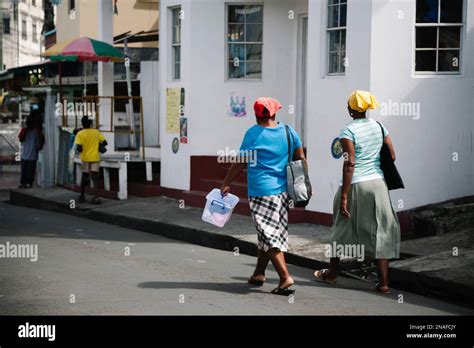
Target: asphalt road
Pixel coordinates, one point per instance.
(83, 268)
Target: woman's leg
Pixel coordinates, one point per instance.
(278, 260)
(24, 173)
(262, 262)
(333, 265)
(382, 268)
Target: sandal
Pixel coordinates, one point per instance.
(95, 200)
(255, 282)
(82, 199)
(321, 276)
(378, 288)
(283, 291)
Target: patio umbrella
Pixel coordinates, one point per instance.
(83, 49)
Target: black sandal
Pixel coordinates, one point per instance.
(95, 200)
(253, 281)
(283, 291)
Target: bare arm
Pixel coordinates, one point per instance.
(234, 172)
(388, 141)
(347, 173)
(299, 154)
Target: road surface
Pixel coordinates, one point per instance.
(87, 267)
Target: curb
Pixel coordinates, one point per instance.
(400, 279)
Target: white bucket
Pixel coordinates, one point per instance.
(219, 209)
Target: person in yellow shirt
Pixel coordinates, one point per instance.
(88, 141)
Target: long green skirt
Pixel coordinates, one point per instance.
(373, 223)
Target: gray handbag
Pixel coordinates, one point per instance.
(299, 187)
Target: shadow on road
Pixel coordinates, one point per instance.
(239, 288)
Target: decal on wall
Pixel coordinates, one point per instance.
(173, 108)
(237, 106)
(336, 148)
(175, 145)
(183, 130)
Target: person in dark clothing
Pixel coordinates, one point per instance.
(32, 141)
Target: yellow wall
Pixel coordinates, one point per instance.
(133, 15)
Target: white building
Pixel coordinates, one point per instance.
(310, 54)
(22, 24)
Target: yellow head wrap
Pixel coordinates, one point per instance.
(362, 100)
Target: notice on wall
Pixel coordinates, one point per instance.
(183, 130)
(237, 107)
(173, 109)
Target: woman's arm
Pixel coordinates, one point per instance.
(299, 154)
(388, 141)
(347, 173)
(234, 172)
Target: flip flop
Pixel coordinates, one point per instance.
(377, 288)
(321, 276)
(95, 200)
(283, 291)
(253, 281)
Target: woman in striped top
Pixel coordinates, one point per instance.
(364, 218)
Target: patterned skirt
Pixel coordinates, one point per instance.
(270, 215)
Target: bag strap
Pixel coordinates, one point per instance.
(288, 136)
(383, 132)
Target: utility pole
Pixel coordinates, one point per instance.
(1, 35)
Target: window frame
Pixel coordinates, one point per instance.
(6, 20)
(226, 42)
(71, 5)
(34, 32)
(328, 39)
(24, 29)
(437, 25)
(173, 45)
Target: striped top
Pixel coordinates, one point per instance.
(366, 135)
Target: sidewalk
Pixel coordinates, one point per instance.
(431, 269)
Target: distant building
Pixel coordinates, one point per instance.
(22, 25)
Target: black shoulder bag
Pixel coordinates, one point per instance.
(392, 177)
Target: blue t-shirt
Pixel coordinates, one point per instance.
(29, 147)
(269, 148)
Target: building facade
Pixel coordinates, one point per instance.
(22, 25)
(310, 55)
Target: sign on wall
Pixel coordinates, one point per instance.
(174, 109)
(237, 107)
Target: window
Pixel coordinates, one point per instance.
(35, 33)
(6, 25)
(72, 5)
(244, 41)
(33, 2)
(336, 37)
(176, 43)
(438, 31)
(24, 35)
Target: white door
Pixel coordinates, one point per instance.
(300, 118)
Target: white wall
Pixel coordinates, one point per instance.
(327, 95)
(207, 91)
(424, 146)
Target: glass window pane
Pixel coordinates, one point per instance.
(448, 60)
(253, 32)
(451, 11)
(176, 35)
(342, 56)
(177, 71)
(333, 16)
(254, 52)
(332, 2)
(176, 19)
(334, 40)
(426, 37)
(427, 11)
(237, 51)
(236, 33)
(343, 41)
(254, 14)
(425, 61)
(177, 53)
(236, 72)
(254, 69)
(236, 14)
(343, 16)
(449, 37)
(333, 63)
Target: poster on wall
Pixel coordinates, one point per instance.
(173, 102)
(183, 130)
(237, 107)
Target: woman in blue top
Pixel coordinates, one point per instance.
(269, 203)
(364, 218)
